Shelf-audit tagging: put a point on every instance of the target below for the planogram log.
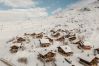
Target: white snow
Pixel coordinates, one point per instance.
(84, 23)
(44, 41)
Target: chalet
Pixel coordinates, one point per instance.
(61, 39)
(46, 56)
(70, 34)
(44, 42)
(20, 40)
(14, 49)
(33, 34)
(65, 50)
(26, 34)
(56, 34)
(71, 38)
(52, 31)
(50, 40)
(85, 45)
(88, 60)
(60, 30)
(39, 35)
(76, 41)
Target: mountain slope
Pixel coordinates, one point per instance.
(82, 21)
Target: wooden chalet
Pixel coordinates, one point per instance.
(71, 38)
(69, 35)
(44, 42)
(52, 31)
(46, 56)
(50, 39)
(33, 34)
(14, 49)
(39, 35)
(20, 40)
(56, 34)
(88, 60)
(65, 50)
(76, 41)
(61, 39)
(85, 45)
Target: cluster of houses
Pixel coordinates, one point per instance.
(49, 55)
(65, 50)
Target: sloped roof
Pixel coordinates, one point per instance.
(86, 43)
(66, 48)
(44, 41)
(87, 58)
(16, 44)
(45, 51)
(76, 40)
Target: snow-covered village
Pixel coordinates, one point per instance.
(68, 37)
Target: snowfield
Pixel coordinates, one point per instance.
(82, 21)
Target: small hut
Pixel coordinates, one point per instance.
(44, 42)
(85, 45)
(88, 60)
(26, 34)
(33, 34)
(20, 40)
(39, 35)
(76, 41)
(14, 49)
(61, 39)
(56, 34)
(50, 40)
(46, 56)
(70, 34)
(52, 31)
(65, 50)
(71, 38)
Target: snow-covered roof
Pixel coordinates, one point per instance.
(16, 44)
(86, 43)
(87, 58)
(45, 51)
(44, 41)
(66, 48)
(76, 40)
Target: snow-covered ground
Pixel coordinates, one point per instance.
(83, 21)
